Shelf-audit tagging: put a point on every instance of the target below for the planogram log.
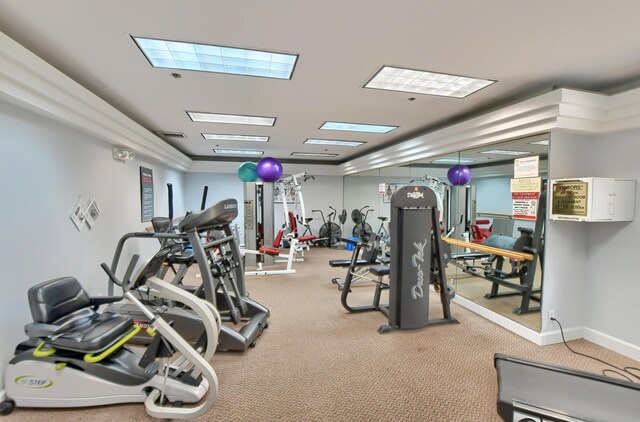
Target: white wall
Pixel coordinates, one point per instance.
(613, 289)
(44, 166)
(566, 274)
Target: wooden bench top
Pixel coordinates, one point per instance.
(517, 256)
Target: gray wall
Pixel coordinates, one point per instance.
(44, 167)
(611, 304)
(566, 277)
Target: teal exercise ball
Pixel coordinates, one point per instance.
(247, 172)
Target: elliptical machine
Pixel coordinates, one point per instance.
(75, 356)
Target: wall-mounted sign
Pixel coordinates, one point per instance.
(525, 205)
(526, 167)
(527, 184)
(569, 198)
(146, 194)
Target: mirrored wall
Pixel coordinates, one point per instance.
(479, 212)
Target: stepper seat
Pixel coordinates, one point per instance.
(65, 308)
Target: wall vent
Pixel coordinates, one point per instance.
(172, 135)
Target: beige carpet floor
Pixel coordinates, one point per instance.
(316, 362)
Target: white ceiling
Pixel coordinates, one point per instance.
(528, 47)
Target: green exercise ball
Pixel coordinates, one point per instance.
(247, 172)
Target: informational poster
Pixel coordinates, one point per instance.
(526, 167)
(524, 195)
(527, 184)
(525, 205)
(146, 194)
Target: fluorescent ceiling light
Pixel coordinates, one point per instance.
(429, 83)
(333, 142)
(235, 119)
(312, 154)
(248, 138)
(543, 142)
(357, 127)
(218, 59)
(238, 151)
(453, 160)
(505, 152)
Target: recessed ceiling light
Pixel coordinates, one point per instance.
(542, 142)
(312, 154)
(236, 119)
(453, 160)
(334, 142)
(428, 83)
(214, 58)
(238, 151)
(248, 138)
(505, 152)
(357, 127)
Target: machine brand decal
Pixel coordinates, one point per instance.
(230, 206)
(142, 324)
(415, 195)
(417, 260)
(32, 381)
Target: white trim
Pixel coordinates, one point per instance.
(28, 81)
(502, 321)
(3, 395)
(554, 337)
(620, 346)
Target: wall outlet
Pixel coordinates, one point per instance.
(551, 315)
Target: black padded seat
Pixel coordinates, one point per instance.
(65, 307)
(181, 258)
(380, 270)
(98, 332)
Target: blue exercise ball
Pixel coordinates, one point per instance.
(459, 175)
(247, 172)
(269, 169)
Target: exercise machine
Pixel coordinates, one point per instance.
(76, 356)
(362, 230)
(535, 391)
(418, 260)
(524, 255)
(364, 255)
(275, 252)
(330, 233)
(220, 263)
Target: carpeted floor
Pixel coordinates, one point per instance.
(318, 363)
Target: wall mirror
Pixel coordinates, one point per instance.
(471, 212)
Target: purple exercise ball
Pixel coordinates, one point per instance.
(269, 169)
(459, 175)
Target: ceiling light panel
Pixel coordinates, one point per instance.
(428, 83)
(333, 142)
(235, 119)
(246, 138)
(213, 58)
(543, 142)
(453, 161)
(357, 127)
(312, 154)
(505, 152)
(238, 151)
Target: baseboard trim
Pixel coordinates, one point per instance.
(554, 337)
(612, 343)
(3, 395)
(502, 321)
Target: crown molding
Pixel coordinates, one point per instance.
(29, 82)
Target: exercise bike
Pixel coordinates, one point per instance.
(362, 230)
(330, 233)
(384, 236)
(76, 356)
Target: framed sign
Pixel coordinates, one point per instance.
(146, 194)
